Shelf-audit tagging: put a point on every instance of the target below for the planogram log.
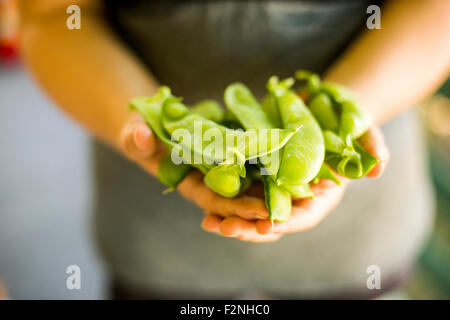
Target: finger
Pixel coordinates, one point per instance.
(373, 141)
(194, 189)
(235, 226)
(211, 223)
(244, 230)
(144, 139)
(137, 139)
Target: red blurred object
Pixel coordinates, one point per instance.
(9, 31)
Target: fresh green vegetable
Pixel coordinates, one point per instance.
(245, 145)
(326, 173)
(169, 173)
(150, 109)
(225, 179)
(246, 109)
(304, 153)
(240, 100)
(279, 141)
(299, 190)
(321, 107)
(343, 120)
(209, 109)
(278, 200)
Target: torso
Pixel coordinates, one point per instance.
(155, 241)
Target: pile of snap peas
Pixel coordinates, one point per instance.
(308, 138)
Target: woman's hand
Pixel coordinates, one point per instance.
(306, 213)
(245, 217)
(139, 144)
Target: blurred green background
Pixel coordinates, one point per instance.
(431, 278)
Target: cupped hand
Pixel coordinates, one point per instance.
(139, 144)
(306, 213)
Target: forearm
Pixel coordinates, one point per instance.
(406, 60)
(88, 71)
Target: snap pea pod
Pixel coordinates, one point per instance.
(240, 100)
(348, 158)
(229, 180)
(244, 146)
(353, 119)
(304, 153)
(326, 173)
(333, 142)
(150, 108)
(312, 79)
(172, 174)
(230, 120)
(300, 190)
(278, 200)
(321, 107)
(169, 173)
(354, 162)
(268, 104)
(209, 109)
(244, 106)
(225, 179)
(330, 102)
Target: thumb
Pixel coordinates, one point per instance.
(137, 139)
(373, 141)
(144, 139)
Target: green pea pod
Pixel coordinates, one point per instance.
(312, 79)
(342, 156)
(368, 161)
(354, 162)
(300, 191)
(348, 165)
(150, 109)
(326, 173)
(321, 107)
(209, 109)
(354, 120)
(278, 200)
(240, 100)
(333, 143)
(348, 158)
(226, 144)
(268, 104)
(304, 153)
(225, 179)
(169, 173)
(230, 120)
(252, 115)
(338, 92)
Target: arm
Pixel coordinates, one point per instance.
(88, 72)
(389, 69)
(93, 77)
(405, 61)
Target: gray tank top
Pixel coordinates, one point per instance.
(197, 48)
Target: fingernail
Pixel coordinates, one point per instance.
(141, 135)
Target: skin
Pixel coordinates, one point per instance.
(92, 77)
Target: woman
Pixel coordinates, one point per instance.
(153, 243)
